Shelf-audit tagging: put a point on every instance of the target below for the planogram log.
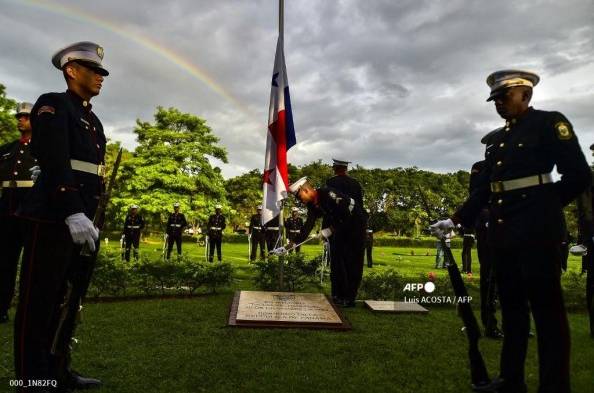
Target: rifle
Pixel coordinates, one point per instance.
(122, 246)
(478, 371)
(164, 252)
(586, 231)
(325, 261)
(71, 295)
(284, 251)
(249, 247)
(98, 220)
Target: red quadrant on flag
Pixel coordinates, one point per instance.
(280, 138)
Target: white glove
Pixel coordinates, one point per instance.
(35, 172)
(440, 228)
(325, 233)
(579, 250)
(279, 251)
(82, 230)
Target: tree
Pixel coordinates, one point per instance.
(316, 172)
(171, 164)
(8, 123)
(244, 193)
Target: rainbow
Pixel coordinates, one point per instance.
(146, 42)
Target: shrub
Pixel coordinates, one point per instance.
(297, 272)
(384, 285)
(116, 278)
(111, 275)
(218, 275)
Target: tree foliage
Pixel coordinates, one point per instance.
(8, 123)
(171, 164)
(392, 195)
(244, 193)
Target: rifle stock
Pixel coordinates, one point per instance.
(479, 375)
(478, 371)
(99, 218)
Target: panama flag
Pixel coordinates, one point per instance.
(281, 137)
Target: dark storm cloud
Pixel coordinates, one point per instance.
(380, 82)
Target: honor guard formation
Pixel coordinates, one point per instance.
(53, 188)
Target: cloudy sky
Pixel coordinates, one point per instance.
(383, 83)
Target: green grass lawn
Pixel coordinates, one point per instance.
(183, 345)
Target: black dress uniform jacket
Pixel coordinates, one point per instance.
(337, 210)
(176, 224)
(64, 129)
(216, 225)
(293, 227)
(256, 229)
(347, 185)
(15, 162)
(133, 225)
(529, 145)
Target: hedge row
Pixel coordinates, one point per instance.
(116, 278)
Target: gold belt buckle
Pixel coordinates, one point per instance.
(101, 170)
(497, 186)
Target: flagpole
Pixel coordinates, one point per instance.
(281, 221)
(281, 18)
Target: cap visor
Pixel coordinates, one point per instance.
(94, 66)
(495, 94)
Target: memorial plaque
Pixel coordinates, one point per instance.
(285, 309)
(397, 307)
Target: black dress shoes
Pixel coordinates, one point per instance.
(78, 382)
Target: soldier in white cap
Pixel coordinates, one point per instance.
(15, 184)
(293, 227)
(346, 224)
(133, 225)
(256, 232)
(175, 227)
(272, 233)
(216, 225)
(69, 144)
(526, 226)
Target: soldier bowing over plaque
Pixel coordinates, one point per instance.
(346, 223)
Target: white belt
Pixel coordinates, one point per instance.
(175, 225)
(523, 182)
(258, 228)
(17, 183)
(215, 228)
(272, 228)
(88, 167)
(134, 226)
(295, 230)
